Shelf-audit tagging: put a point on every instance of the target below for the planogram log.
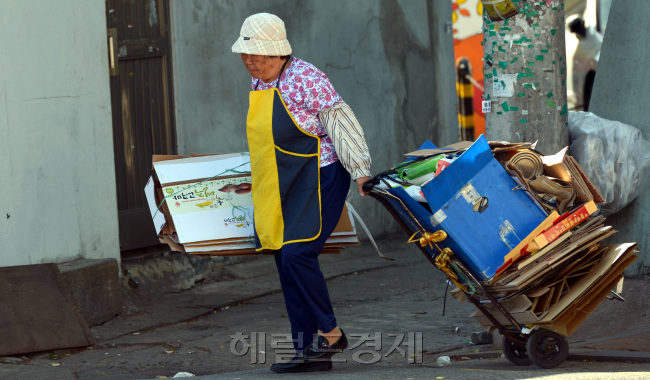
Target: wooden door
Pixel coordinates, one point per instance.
(142, 101)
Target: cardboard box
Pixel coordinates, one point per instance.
(482, 209)
(563, 225)
(518, 307)
(211, 209)
(201, 196)
(175, 169)
(563, 305)
(566, 168)
(203, 205)
(615, 260)
(453, 148)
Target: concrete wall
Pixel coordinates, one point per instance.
(392, 61)
(620, 93)
(57, 177)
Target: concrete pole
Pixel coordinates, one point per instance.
(525, 76)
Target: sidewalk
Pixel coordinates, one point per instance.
(249, 280)
(185, 329)
(257, 277)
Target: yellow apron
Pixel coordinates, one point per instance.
(285, 169)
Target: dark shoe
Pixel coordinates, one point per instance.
(301, 364)
(320, 348)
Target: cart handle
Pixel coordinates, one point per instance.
(374, 181)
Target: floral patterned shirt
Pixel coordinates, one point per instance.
(306, 91)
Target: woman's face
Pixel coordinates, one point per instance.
(262, 67)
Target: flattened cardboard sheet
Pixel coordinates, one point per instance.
(453, 148)
(613, 257)
(195, 168)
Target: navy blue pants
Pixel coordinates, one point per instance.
(303, 284)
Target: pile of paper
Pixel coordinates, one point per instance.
(563, 282)
(202, 205)
(523, 224)
(560, 272)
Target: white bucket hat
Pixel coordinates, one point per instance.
(262, 34)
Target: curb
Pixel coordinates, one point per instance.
(580, 355)
(611, 356)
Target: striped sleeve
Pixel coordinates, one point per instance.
(347, 136)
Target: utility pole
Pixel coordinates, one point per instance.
(524, 64)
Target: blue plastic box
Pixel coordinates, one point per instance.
(482, 209)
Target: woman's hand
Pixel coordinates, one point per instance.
(360, 181)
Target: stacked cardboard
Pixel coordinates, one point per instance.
(526, 226)
(559, 293)
(560, 272)
(202, 205)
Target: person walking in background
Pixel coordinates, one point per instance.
(305, 145)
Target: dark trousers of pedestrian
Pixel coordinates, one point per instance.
(303, 285)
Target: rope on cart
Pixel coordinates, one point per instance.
(363, 225)
(428, 238)
(442, 262)
(459, 272)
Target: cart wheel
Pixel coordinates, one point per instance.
(515, 353)
(547, 349)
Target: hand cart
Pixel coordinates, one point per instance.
(521, 345)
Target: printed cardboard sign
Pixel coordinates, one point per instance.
(210, 210)
(209, 195)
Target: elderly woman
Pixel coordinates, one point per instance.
(305, 145)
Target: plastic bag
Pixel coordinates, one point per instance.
(613, 155)
(443, 361)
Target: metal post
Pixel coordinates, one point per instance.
(465, 99)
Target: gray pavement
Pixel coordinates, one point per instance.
(398, 302)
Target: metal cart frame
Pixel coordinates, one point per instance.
(521, 346)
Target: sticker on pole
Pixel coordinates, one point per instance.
(504, 85)
(487, 106)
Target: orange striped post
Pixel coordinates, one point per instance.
(465, 98)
